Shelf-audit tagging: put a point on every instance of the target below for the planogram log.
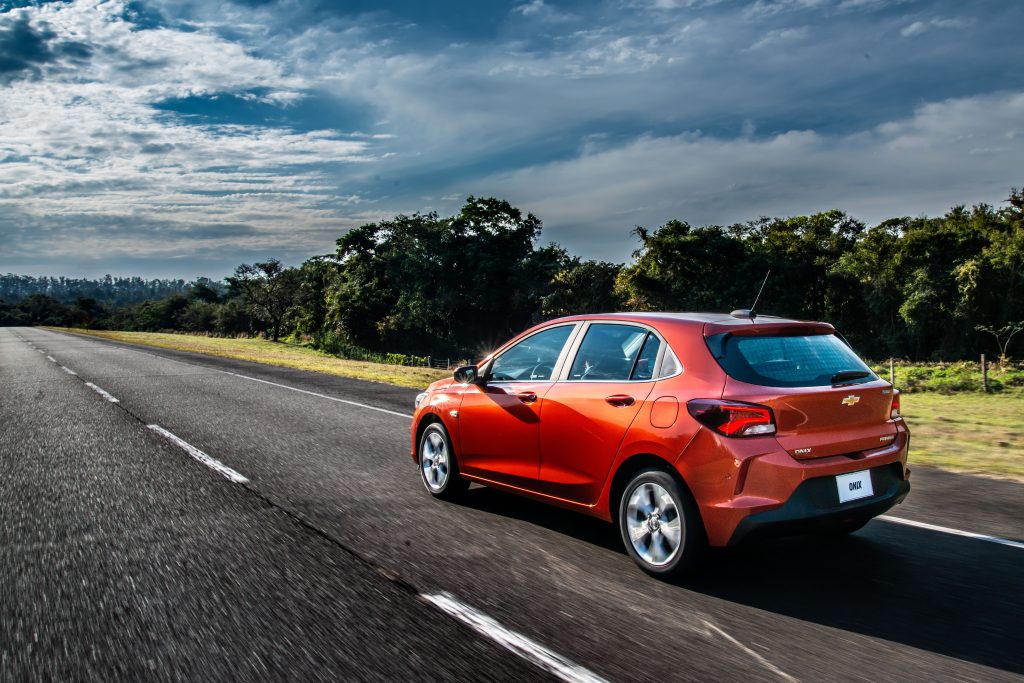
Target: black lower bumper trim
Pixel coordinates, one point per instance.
(815, 506)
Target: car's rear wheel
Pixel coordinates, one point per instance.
(439, 469)
(660, 525)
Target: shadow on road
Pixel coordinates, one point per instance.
(955, 596)
(582, 527)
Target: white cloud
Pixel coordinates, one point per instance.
(960, 150)
(538, 9)
(918, 27)
(84, 147)
(780, 36)
(531, 7)
(767, 8)
(914, 29)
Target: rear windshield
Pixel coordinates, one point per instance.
(789, 361)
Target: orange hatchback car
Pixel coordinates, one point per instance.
(684, 429)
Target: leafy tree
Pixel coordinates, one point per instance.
(269, 289)
(163, 314)
(205, 290)
(87, 311)
(582, 287)
(1003, 336)
(10, 315)
(681, 268)
(310, 314)
(425, 284)
(39, 309)
(805, 251)
(198, 316)
(232, 318)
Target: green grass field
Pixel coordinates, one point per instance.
(964, 431)
(976, 433)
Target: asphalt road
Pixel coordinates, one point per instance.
(123, 557)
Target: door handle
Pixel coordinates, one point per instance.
(527, 397)
(620, 400)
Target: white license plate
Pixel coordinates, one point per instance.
(854, 485)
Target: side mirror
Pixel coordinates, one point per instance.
(467, 374)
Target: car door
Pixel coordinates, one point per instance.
(499, 421)
(587, 412)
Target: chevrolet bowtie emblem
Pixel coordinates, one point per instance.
(851, 400)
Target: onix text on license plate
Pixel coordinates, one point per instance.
(854, 485)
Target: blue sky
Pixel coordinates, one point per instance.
(176, 138)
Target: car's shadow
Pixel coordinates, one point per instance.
(955, 596)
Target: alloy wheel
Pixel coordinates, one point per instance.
(653, 524)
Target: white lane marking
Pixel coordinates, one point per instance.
(764, 662)
(68, 370)
(313, 393)
(51, 359)
(533, 652)
(101, 392)
(41, 351)
(407, 416)
(200, 456)
(955, 532)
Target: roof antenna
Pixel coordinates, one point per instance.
(751, 312)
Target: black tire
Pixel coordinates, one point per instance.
(441, 476)
(692, 541)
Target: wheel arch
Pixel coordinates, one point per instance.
(425, 421)
(629, 468)
(428, 418)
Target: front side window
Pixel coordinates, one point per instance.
(609, 353)
(533, 359)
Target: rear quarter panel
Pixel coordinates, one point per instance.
(651, 433)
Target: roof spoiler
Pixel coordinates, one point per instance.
(748, 327)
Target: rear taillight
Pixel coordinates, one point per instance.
(733, 418)
(895, 411)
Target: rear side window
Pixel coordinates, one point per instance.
(789, 361)
(644, 366)
(609, 353)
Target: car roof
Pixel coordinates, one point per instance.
(683, 318)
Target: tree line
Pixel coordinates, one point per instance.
(924, 288)
(109, 290)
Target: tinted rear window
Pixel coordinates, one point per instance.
(788, 361)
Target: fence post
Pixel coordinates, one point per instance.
(892, 373)
(428, 361)
(448, 364)
(984, 374)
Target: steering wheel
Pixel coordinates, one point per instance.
(541, 371)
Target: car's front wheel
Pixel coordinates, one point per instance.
(439, 470)
(660, 525)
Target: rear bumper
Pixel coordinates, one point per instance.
(781, 495)
(815, 506)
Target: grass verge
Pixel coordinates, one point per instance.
(275, 353)
(962, 432)
(972, 433)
